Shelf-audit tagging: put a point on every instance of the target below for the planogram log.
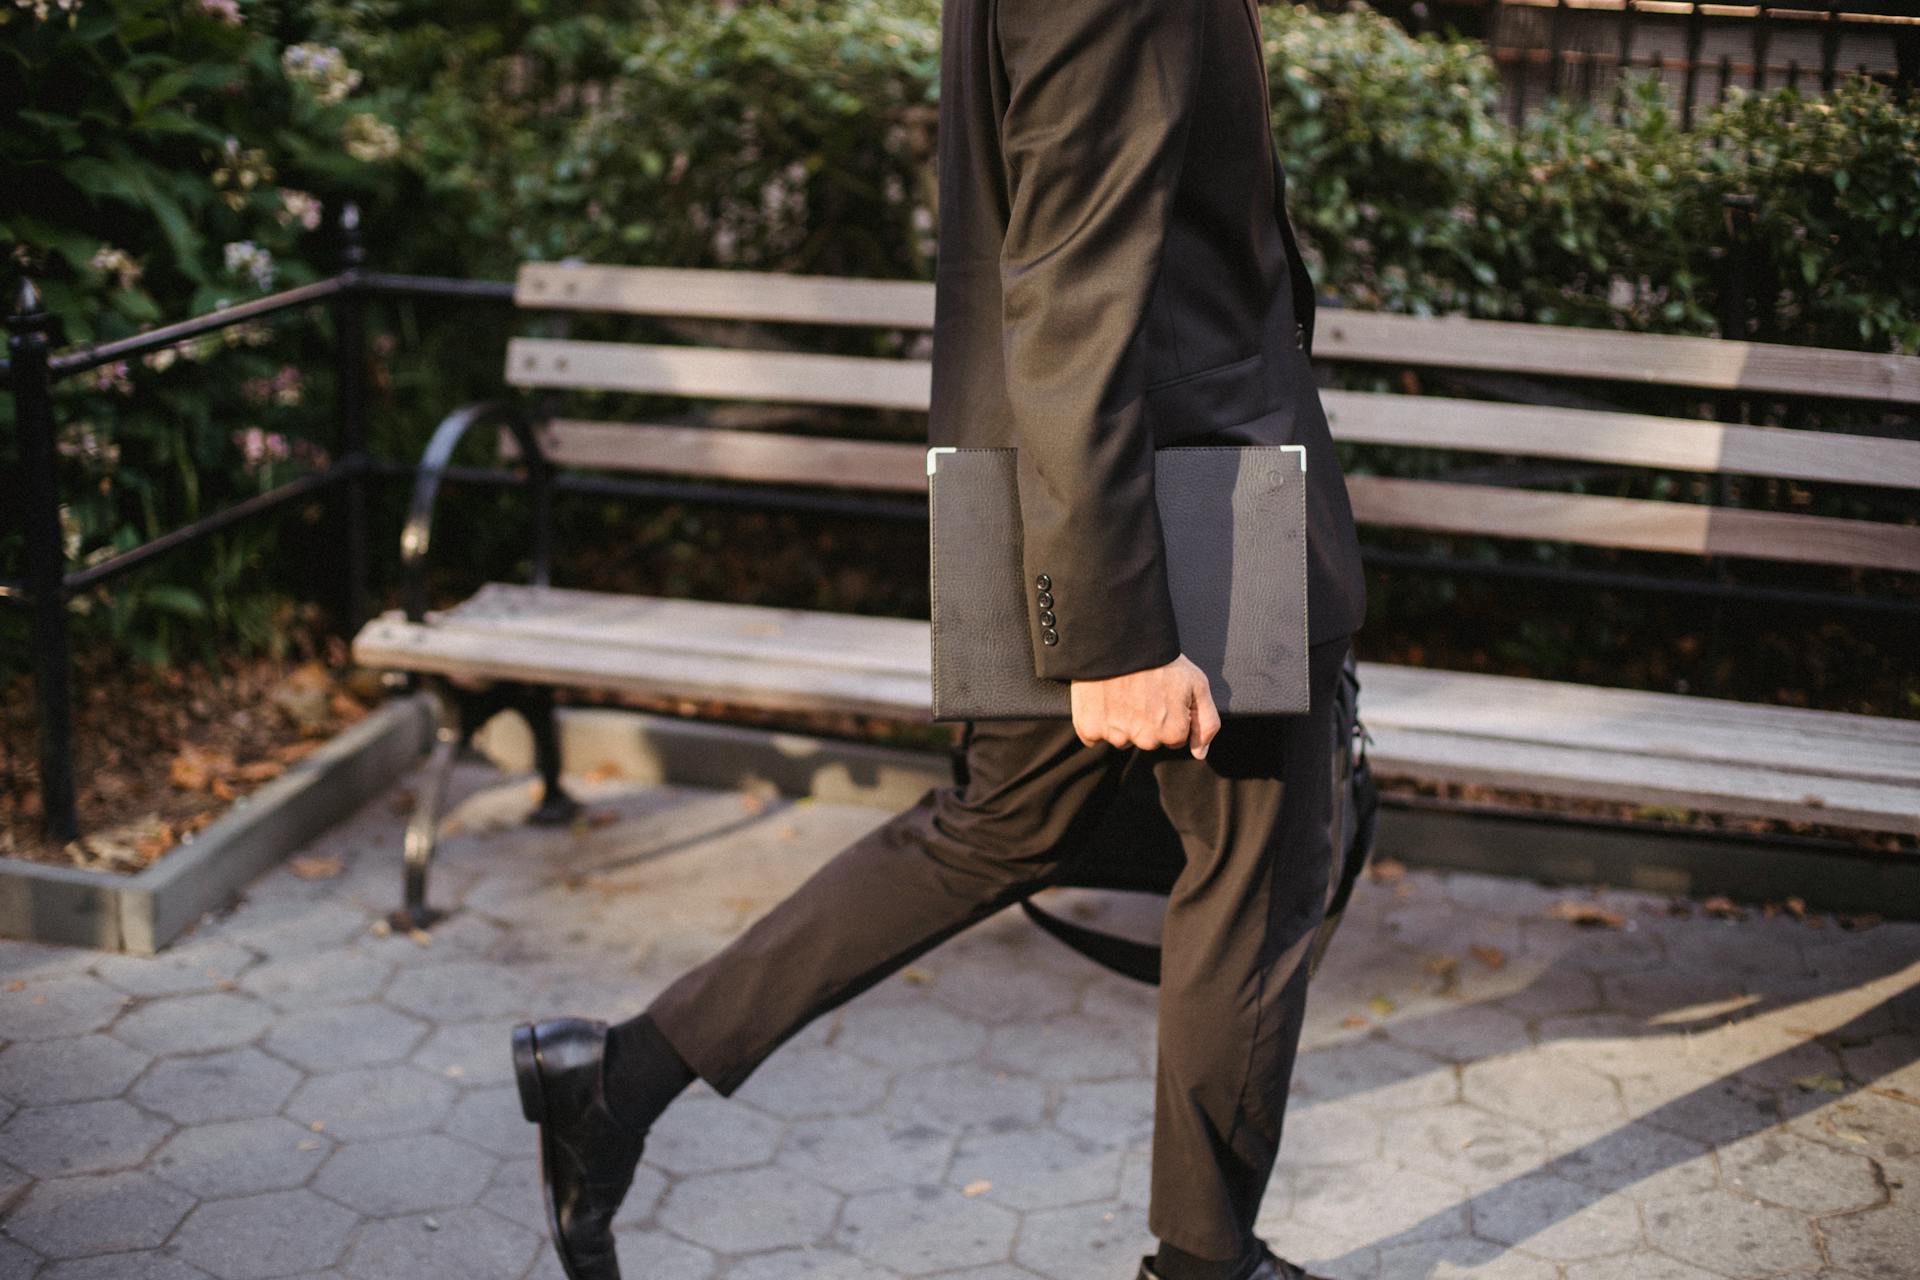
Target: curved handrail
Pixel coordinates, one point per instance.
(416, 537)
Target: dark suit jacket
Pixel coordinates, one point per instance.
(1116, 273)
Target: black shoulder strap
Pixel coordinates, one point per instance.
(1139, 960)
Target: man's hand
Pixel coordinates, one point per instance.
(1170, 706)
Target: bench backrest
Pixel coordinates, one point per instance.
(1602, 435)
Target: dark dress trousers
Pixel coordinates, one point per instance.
(1115, 273)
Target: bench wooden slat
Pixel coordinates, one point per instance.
(727, 295)
(1715, 364)
(722, 453)
(1600, 775)
(1570, 740)
(1629, 439)
(717, 373)
(1635, 523)
(791, 637)
(1480, 706)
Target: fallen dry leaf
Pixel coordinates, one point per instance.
(914, 975)
(1587, 915)
(1354, 1021)
(1821, 1082)
(975, 1187)
(1865, 920)
(1723, 909)
(1387, 871)
(260, 770)
(1491, 957)
(1380, 1005)
(316, 866)
(602, 772)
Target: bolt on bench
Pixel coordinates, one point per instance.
(512, 646)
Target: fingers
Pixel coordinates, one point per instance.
(1206, 719)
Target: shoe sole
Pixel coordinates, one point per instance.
(533, 1105)
(526, 1073)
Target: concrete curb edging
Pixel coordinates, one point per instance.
(648, 747)
(141, 913)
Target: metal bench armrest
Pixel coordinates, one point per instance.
(417, 536)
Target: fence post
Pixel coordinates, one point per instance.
(350, 367)
(32, 388)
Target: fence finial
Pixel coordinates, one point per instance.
(29, 309)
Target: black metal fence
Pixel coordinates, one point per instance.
(34, 368)
(1562, 48)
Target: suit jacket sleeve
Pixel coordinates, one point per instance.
(1098, 99)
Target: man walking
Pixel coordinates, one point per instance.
(1116, 273)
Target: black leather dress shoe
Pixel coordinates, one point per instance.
(587, 1155)
(1272, 1267)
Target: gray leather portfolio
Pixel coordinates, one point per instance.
(1234, 521)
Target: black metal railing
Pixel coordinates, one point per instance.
(1550, 49)
(32, 370)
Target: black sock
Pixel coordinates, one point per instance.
(643, 1072)
(1174, 1263)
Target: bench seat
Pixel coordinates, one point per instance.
(1574, 741)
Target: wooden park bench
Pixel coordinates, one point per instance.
(515, 645)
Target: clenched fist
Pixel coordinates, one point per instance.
(1170, 706)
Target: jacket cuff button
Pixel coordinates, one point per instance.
(1045, 599)
(1050, 636)
(1043, 582)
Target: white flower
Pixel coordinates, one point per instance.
(118, 263)
(370, 139)
(298, 206)
(43, 9)
(244, 257)
(228, 11)
(322, 68)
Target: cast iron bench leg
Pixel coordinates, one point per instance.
(556, 808)
(423, 825)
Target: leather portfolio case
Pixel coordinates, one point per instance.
(1234, 522)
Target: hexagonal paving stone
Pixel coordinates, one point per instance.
(1799, 1173)
(1069, 1047)
(809, 1264)
(35, 1073)
(1722, 1232)
(749, 1209)
(1376, 1072)
(277, 1234)
(1083, 1241)
(1329, 1133)
(704, 1134)
(344, 976)
(916, 1230)
(17, 1261)
(866, 1153)
(241, 1157)
(80, 1137)
(195, 1024)
(1636, 1159)
(659, 1256)
(359, 1035)
(969, 1097)
(1113, 1112)
(463, 991)
(293, 926)
(376, 1102)
(1381, 1200)
(1459, 1258)
(1516, 1086)
(922, 1034)
(406, 1175)
(461, 1245)
(491, 1119)
(120, 1266)
(1556, 1218)
(235, 1085)
(1036, 1168)
(182, 970)
(1464, 1144)
(1646, 1266)
(471, 1054)
(1881, 1242)
(1464, 1034)
(108, 1213)
(46, 1008)
(985, 988)
(812, 1080)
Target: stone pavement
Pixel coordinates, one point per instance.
(1485, 1090)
